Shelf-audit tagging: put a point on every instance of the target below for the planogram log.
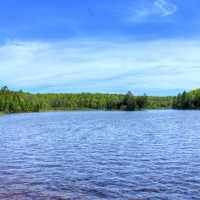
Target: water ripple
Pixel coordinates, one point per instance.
(150, 155)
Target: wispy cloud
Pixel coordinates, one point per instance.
(166, 8)
(144, 11)
(109, 66)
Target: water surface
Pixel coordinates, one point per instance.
(146, 155)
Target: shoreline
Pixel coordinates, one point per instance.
(2, 113)
(94, 110)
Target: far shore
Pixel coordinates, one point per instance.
(78, 110)
(92, 110)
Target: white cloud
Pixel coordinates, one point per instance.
(91, 65)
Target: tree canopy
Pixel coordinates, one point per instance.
(187, 100)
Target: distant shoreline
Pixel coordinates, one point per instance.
(19, 101)
(91, 110)
(22, 102)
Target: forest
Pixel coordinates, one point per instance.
(187, 100)
(19, 101)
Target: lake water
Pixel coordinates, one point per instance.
(146, 155)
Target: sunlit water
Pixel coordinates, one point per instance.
(146, 155)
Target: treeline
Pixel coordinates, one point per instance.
(155, 102)
(12, 101)
(187, 100)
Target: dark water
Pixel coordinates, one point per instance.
(100, 155)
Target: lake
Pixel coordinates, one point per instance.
(145, 155)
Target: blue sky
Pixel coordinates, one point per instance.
(150, 46)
